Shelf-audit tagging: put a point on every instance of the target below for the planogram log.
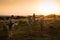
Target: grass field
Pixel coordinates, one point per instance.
(22, 30)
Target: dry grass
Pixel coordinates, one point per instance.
(23, 31)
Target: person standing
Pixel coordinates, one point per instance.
(9, 24)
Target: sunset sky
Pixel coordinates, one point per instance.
(28, 7)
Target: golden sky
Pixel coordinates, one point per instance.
(28, 7)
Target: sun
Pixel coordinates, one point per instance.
(47, 8)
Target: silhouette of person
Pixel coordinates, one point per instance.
(9, 23)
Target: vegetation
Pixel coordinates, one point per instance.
(23, 30)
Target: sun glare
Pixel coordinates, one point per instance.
(47, 8)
